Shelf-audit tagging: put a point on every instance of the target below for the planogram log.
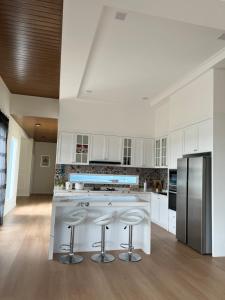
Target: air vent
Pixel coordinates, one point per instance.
(222, 37)
(120, 16)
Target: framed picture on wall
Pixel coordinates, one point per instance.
(45, 161)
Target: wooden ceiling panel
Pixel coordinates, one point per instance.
(46, 132)
(30, 46)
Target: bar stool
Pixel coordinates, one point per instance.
(104, 257)
(130, 218)
(73, 219)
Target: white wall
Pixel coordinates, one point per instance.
(112, 118)
(43, 177)
(16, 132)
(218, 205)
(162, 118)
(193, 103)
(25, 168)
(34, 106)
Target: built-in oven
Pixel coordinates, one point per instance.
(172, 189)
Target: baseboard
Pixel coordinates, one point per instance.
(8, 207)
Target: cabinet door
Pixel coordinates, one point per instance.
(65, 145)
(172, 221)
(175, 148)
(113, 150)
(205, 135)
(128, 149)
(139, 152)
(98, 147)
(163, 151)
(81, 149)
(155, 202)
(148, 153)
(157, 152)
(163, 211)
(191, 139)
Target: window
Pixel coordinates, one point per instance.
(13, 148)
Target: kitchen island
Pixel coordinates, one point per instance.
(97, 204)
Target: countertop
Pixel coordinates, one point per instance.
(65, 193)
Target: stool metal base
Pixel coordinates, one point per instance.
(133, 257)
(105, 258)
(70, 259)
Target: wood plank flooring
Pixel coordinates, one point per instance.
(173, 271)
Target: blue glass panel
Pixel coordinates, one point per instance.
(104, 179)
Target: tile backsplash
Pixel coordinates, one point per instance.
(149, 174)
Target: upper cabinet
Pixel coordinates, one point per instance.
(205, 134)
(161, 152)
(114, 147)
(81, 149)
(98, 147)
(128, 145)
(65, 148)
(148, 153)
(176, 141)
(191, 139)
(105, 148)
(198, 138)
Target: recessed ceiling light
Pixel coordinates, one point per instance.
(145, 98)
(222, 37)
(89, 91)
(120, 15)
(37, 125)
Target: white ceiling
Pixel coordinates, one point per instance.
(143, 55)
(139, 57)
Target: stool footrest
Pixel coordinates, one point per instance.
(97, 244)
(64, 247)
(126, 246)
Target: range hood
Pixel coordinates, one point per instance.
(104, 162)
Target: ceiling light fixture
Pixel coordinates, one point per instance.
(88, 91)
(145, 98)
(222, 37)
(37, 125)
(121, 16)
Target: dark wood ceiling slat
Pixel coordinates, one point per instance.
(30, 46)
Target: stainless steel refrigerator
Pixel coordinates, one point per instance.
(193, 205)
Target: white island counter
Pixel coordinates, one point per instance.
(97, 204)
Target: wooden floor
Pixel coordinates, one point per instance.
(173, 271)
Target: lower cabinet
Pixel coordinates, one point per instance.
(172, 221)
(159, 210)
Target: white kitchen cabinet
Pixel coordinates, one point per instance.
(161, 149)
(143, 153)
(191, 139)
(81, 149)
(98, 147)
(159, 210)
(113, 148)
(176, 140)
(163, 211)
(155, 208)
(128, 152)
(172, 221)
(139, 152)
(205, 135)
(198, 138)
(148, 145)
(65, 148)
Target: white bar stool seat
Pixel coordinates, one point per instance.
(131, 218)
(104, 257)
(75, 218)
